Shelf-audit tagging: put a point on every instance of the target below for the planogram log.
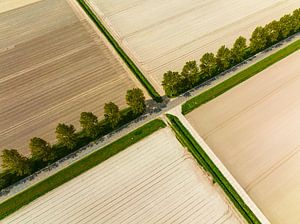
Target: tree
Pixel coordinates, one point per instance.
(238, 50)
(173, 83)
(112, 114)
(66, 135)
(14, 162)
(272, 32)
(286, 26)
(208, 65)
(136, 100)
(40, 149)
(89, 124)
(223, 58)
(258, 40)
(190, 72)
(296, 20)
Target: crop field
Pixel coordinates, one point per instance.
(255, 131)
(153, 181)
(162, 35)
(10, 5)
(53, 66)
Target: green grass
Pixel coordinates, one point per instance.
(238, 78)
(13, 204)
(120, 51)
(203, 159)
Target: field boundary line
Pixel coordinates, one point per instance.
(136, 71)
(211, 163)
(272, 169)
(238, 78)
(23, 198)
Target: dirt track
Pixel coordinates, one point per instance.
(153, 181)
(51, 70)
(162, 35)
(254, 130)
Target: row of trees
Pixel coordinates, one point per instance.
(175, 83)
(68, 140)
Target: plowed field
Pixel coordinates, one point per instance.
(255, 130)
(162, 35)
(53, 66)
(153, 181)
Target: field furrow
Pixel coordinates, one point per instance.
(254, 130)
(53, 66)
(163, 35)
(153, 181)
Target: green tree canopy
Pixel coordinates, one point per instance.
(208, 65)
(65, 135)
(40, 149)
(272, 32)
(14, 162)
(89, 124)
(136, 100)
(190, 72)
(173, 83)
(258, 40)
(223, 58)
(296, 20)
(286, 26)
(112, 114)
(238, 50)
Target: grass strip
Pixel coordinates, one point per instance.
(203, 159)
(152, 92)
(212, 93)
(13, 204)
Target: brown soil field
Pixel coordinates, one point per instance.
(162, 35)
(255, 131)
(53, 66)
(153, 181)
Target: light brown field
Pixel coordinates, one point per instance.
(53, 66)
(162, 35)
(255, 130)
(153, 181)
(7, 5)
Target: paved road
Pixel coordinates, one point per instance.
(155, 111)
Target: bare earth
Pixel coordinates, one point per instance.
(6, 5)
(162, 35)
(255, 130)
(53, 66)
(153, 181)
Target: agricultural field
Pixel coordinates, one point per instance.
(53, 66)
(152, 181)
(163, 35)
(255, 131)
(10, 5)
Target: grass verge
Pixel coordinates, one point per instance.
(203, 159)
(13, 204)
(120, 51)
(238, 78)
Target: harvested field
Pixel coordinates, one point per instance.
(162, 35)
(153, 181)
(53, 66)
(7, 5)
(255, 130)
